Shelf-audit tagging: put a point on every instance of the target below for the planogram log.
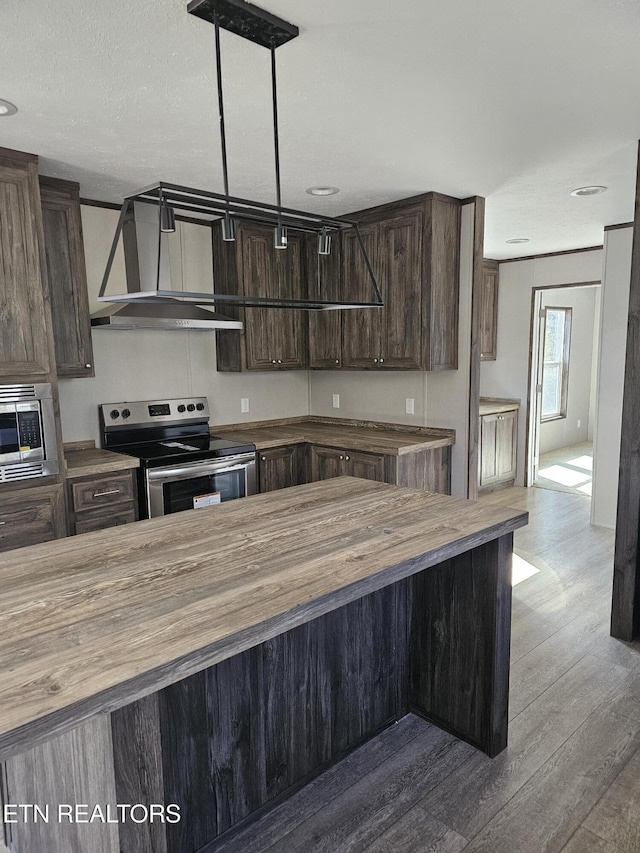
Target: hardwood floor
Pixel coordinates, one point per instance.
(569, 779)
(568, 469)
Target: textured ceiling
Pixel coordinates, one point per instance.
(518, 102)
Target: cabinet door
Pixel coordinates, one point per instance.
(489, 311)
(488, 449)
(281, 467)
(326, 462)
(401, 274)
(506, 444)
(275, 338)
(103, 521)
(67, 277)
(441, 296)
(24, 342)
(324, 281)
(361, 326)
(30, 516)
(367, 466)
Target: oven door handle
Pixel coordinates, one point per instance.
(190, 472)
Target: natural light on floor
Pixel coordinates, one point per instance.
(564, 476)
(521, 570)
(584, 462)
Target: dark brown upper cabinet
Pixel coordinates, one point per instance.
(272, 338)
(489, 311)
(67, 277)
(324, 281)
(414, 248)
(24, 342)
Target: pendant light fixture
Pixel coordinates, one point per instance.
(225, 211)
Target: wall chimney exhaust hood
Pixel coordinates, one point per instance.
(147, 278)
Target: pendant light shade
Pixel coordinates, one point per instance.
(324, 242)
(228, 228)
(280, 237)
(167, 218)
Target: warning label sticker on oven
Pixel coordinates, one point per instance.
(207, 500)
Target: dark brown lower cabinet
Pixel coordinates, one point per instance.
(327, 462)
(101, 500)
(31, 516)
(281, 467)
(498, 443)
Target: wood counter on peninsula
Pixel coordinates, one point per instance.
(217, 659)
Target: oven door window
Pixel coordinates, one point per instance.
(178, 495)
(8, 433)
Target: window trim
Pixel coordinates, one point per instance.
(564, 375)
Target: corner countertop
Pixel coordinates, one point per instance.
(368, 436)
(85, 460)
(497, 405)
(91, 623)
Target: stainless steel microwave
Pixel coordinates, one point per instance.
(28, 446)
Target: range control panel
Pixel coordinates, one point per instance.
(155, 411)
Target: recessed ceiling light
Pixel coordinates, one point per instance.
(588, 191)
(518, 240)
(322, 190)
(7, 109)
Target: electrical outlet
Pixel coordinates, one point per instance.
(410, 406)
(336, 401)
(244, 405)
(579, 424)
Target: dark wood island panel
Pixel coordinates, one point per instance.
(301, 648)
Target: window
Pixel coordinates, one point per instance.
(555, 371)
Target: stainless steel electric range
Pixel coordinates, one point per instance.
(182, 466)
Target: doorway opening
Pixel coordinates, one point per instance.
(565, 327)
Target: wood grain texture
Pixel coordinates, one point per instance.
(324, 281)
(281, 467)
(477, 287)
(361, 328)
(460, 630)
(90, 460)
(101, 490)
(354, 422)
(100, 621)
(31, 516)
(76, 767)
(615, 817)
(625, 609)
(489, 311)
(67, 277)
(137, 762)
(427, 469)
(25, 345)
(497, 405)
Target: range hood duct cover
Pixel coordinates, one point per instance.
(166, 314)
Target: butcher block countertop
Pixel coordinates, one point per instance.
(497, 405)
(389, 439)
(90, 623)
(87, 461)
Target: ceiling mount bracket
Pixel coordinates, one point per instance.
(245, 20)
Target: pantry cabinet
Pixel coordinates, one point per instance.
(67, 277)
(24, 307)
(272, 338)
(498, 443)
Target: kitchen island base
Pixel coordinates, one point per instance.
(229, 741)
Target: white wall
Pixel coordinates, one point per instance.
(138, 365)
(565, 431)
(507, 376)
(613, 338)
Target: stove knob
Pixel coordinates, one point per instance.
(200, 406)
(114, 413)
(182, 407)
(191, 407)
(126, 413)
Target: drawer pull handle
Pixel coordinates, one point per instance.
(342, 457)
(347, 457)
(107, 492)
(2, 522)
(375, 360)
(88, 365)
(381, 360)
(337, 361)
(264, 458)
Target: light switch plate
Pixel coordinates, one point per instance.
(244, 405)
(336, 401)
(410, 406)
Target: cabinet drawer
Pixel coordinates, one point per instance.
(104, 521)
(101, 491)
